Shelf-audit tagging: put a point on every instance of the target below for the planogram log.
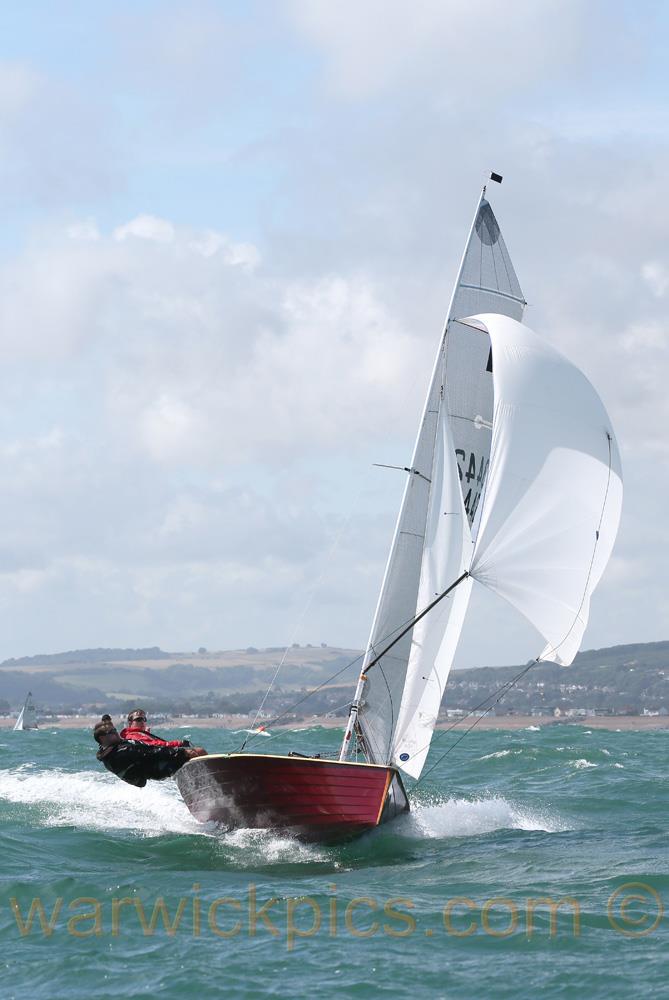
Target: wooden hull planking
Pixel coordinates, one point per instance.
(313, 799)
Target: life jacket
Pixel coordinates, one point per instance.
(142, 736)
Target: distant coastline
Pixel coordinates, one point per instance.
(622, 723)
(604, 688)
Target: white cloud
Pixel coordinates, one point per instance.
(187, 413)
(454, 51)
(19, 85)
(54, 142)
(198, 353)
(656, 275)
(185, 60)
(145, 365)
(51, 297)
(85, 230)
(169, 429)
(146, 227)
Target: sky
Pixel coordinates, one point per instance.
(229, 235)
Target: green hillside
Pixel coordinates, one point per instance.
(621, 679)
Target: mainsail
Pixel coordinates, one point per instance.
(487, 284)
(432, 540)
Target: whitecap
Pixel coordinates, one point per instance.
(270, 847)
(466, 818)
(99, 801)
(581, 763)
(532, 729)
(619, 765)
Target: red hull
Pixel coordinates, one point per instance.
(314, 799)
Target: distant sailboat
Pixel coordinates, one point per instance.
(515, 483)
(27, 716)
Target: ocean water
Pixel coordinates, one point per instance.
(532, 861)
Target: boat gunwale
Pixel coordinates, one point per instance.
(296, 760)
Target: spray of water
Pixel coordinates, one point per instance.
(471, 818)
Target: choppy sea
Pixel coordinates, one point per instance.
(532, 862)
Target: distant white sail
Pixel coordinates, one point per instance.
(27, 716)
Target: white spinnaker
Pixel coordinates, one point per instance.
(554, 492)
(460, 391)
(446, 555)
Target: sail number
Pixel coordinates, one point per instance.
(472, 473)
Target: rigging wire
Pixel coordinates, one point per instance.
(307, 604)
(306, 607)
(401, 629)
(501, 692)
(328, 680)
(309, 694)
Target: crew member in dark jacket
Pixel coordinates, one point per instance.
(137, 762)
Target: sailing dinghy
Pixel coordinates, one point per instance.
(515, 483)
(27, 716)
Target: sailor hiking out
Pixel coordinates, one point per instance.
(136, 755)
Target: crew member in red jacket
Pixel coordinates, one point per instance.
(138, 731)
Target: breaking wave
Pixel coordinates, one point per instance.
(466, 818)
(91, 801)
(98, 801)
